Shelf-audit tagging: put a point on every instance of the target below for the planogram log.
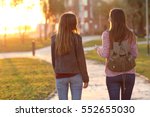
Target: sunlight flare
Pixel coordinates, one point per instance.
(14, 19)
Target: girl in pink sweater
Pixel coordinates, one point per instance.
(117, 32)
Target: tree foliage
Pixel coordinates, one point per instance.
(56, 7)
(134, 9)
(101, 9)
(16, 2)
(138, 15)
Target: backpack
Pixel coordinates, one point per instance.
(120, 59)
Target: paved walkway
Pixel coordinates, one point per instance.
(97, 89)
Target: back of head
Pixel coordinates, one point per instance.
(67, 26)
(118, 28)
(68, 22)
(117, 18)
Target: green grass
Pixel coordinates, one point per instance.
(99, 42)
(143, 61)
(25, 79)
(94, 56)
(141, 39)
(17, 45)
(92, 43)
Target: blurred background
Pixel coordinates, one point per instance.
(39, 18)
(93, 14)
(25, 30)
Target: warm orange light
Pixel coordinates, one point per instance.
(14, 19)
(56, 27)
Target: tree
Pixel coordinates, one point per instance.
(56, 7)
(102, 8)
(16, 2)
(46, 13)
(134, 9)
(137, 12)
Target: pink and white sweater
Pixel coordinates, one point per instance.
(104, 52)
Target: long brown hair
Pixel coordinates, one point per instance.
(119, 30)
(67, 26)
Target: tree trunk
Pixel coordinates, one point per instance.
(141, 31)
(133, 24)
(45, 28)
(5, 37)
(40, 32)
(23, 35)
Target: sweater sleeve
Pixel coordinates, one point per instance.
(81, 60)
(134, 48)
(104, 49)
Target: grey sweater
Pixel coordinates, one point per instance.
(73, 62)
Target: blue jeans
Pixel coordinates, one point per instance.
(75, 83)
(124, 82)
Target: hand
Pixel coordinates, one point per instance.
(96, 47)
(85, 85)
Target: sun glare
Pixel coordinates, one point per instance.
(29, 13)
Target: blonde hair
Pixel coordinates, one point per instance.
(67, 26)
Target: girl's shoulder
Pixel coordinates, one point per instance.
(77, 35)
(53, 38)
(105, 34)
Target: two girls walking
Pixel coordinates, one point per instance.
(68, 58)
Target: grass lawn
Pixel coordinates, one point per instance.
(141, 39)
(143, 61)
(99, 42)
(92, 43)
(25, 79)
(17, 45)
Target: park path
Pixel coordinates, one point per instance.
(97, 89)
